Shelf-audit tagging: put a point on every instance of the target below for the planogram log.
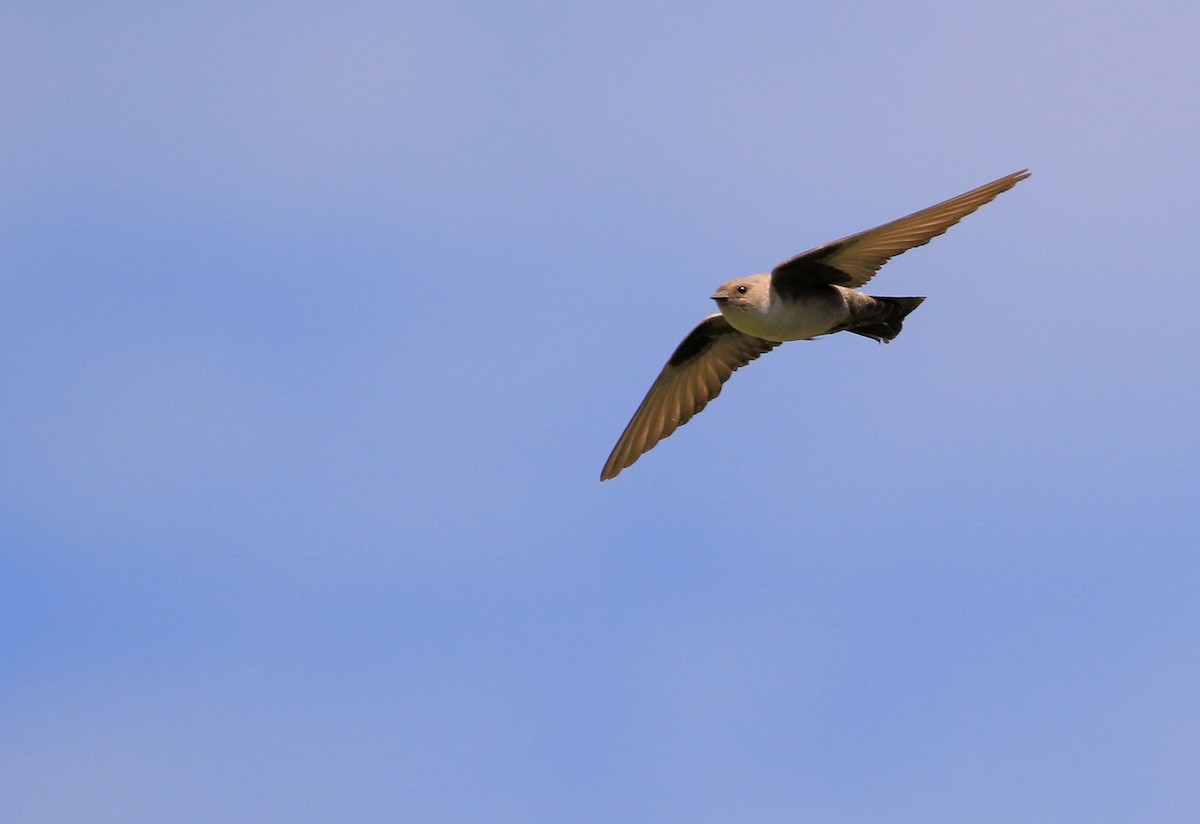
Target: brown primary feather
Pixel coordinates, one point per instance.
(693, 376)
(854, 260)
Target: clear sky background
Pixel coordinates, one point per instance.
(318, 321)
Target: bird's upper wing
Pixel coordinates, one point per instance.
(692, 377)
(854, 260)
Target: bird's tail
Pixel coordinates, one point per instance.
(882, 318)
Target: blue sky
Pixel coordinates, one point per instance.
(319, 321)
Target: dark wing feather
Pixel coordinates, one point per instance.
(854, 260)
(693, 376)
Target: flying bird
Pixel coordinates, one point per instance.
(814, 293)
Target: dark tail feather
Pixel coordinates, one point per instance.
(883, 320)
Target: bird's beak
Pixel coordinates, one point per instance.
(720, 298)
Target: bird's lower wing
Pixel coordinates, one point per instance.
(693, 376)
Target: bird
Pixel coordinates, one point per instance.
(812, 294)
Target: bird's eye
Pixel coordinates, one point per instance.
(741, 290)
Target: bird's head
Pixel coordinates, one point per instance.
(751, 294)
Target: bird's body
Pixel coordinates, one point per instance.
(812, 294)
(803, 314)
(763, 312)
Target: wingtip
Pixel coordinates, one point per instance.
(612, 468)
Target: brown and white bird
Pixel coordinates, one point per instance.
(814, 293)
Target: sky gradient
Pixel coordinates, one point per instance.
(318, 322)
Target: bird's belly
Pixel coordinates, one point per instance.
(795, 321)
